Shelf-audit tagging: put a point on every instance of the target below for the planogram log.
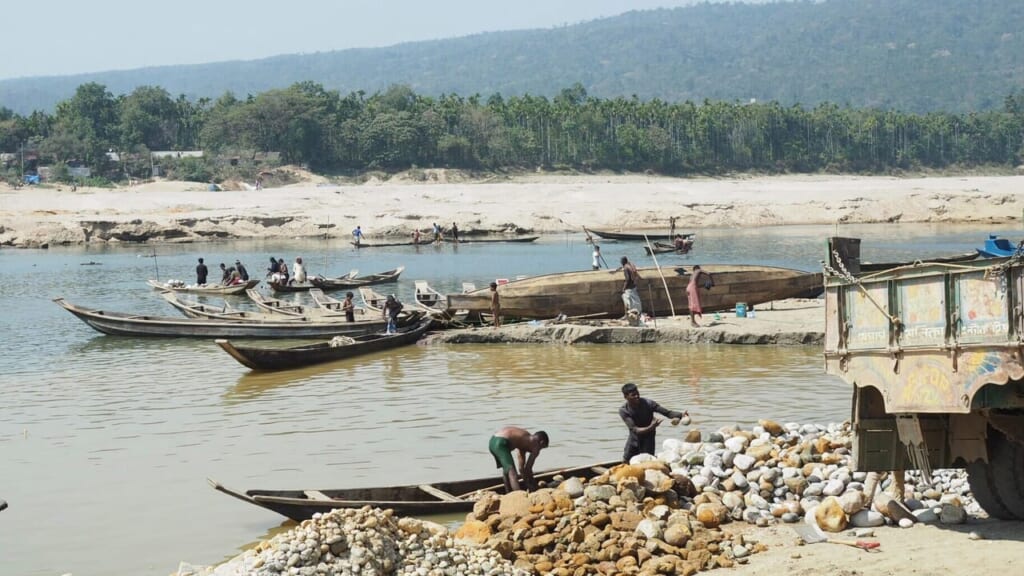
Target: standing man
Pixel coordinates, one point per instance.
(298, 271)
(596, 264)
(630, 293)
(358, 235)
(242, 272)
(638, 414)
(349, 308)
(455, 232)
(495, 305)
(201, 273)
(529, 445)
(437, 233)
(391, 309)
(225, 274)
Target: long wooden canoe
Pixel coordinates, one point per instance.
(222, 312)
(665, 248)
(338, 348)
(124, 324)
(652, 235)
(422, 242)
(520, 239)
(598, 293)
(214, 289)
(411, 500)
(345, 283)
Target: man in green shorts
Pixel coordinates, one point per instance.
(529, 445)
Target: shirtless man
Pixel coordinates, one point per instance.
(529, 445)
(495, 305)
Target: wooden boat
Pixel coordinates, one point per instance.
(3, 505)
(411, 500)
(222, 312)
(522, 239)
(652, 235)
(214, 289)
(338, 348)
(422, 242)
(372, 299)
(429, 299)
(307, 285)
(665, 247)
(996, 247)
(332, 309)
(598, 293)
(345, 283)
(124, 324)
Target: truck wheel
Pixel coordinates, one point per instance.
(1007, 468)
(979, 476)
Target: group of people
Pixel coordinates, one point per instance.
(230, 275)
(631, 294)
(437, 231)
(637, 413)
(278, 272)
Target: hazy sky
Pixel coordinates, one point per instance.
(75, 36)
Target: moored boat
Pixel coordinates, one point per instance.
(338, 348)
(214, 289)
(598, 293)
(410, 500)
(345, 282)
(996, 247)
(634, 236)
(125, 324)
(665, 247)
(223, 312)
(953, 259)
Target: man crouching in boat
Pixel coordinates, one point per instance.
(529, 445)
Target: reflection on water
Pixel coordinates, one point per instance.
(107, 441)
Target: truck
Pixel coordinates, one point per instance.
(934, 352)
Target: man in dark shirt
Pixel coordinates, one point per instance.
(638, 414)
(201, 273)
(241, 270)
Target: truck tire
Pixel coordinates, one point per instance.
(979, 476)
(1007, 468)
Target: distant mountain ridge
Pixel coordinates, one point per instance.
(911, 55)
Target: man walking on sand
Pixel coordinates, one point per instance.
(638, 415)
(510, 438)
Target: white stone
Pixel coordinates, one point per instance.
(743, 462)
(867, 519)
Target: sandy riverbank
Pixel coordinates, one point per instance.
(180, 211)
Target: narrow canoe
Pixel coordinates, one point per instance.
(222, 312)
(411, 500)
(521, 239)
(598, 293)
(422, 242)
(345, 283)
(665, 248)
(631, 236)
(124, 324)
(338, 348)
(215, 289)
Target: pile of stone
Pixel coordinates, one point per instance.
(365, 542)
(663, 514)
(777, 472)
(627, 520)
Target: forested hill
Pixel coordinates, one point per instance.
(910, 55)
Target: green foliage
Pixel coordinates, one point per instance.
(188, 169)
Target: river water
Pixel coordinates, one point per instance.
(106, 442)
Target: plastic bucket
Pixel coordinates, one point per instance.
(741, 309)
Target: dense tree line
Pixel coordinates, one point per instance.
(910, 55)
(398, 129)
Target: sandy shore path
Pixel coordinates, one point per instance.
(178, 211)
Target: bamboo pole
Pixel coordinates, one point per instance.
(664, 282)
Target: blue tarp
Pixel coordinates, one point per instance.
(32, 179)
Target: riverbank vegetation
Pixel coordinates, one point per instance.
(398, 129)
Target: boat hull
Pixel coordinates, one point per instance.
(632, 236)
(328, 284)
(261, 358)
(216, 290)
(122, 324)
(598, 294)
(411, 500)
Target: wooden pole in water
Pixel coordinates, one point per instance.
(664, 282)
